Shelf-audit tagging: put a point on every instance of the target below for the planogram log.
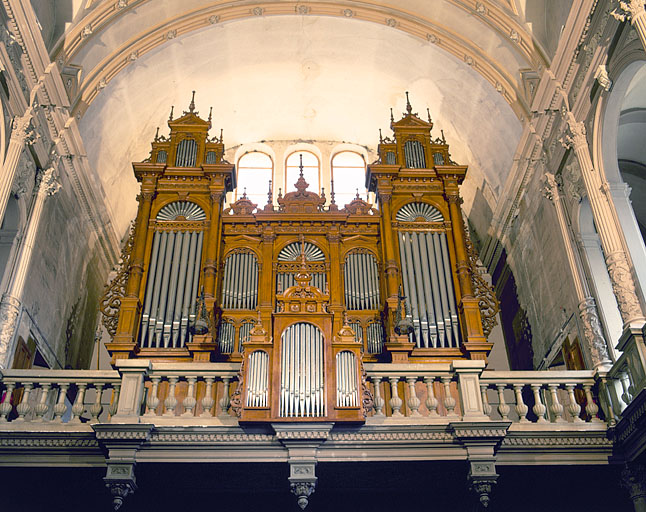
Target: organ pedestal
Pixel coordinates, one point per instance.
(299, 292)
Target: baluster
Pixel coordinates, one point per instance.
(6, 406)
(539, 408)
(612, 421)
(503, 408)
(171, 402)
(591, 407)
(486, 407)
(521, 408)
(190, 401)
(378, 400)
(42, 406)
(449, 401)
(114, 404)
(152, 400)
(555, 407)
(207, 400)
(97, 407)
(572, 407)
(60, 408)
(224, 401)
(431, 401)
(626, 396)
(395, 401)
(24, 407)
(78, 407)
(413, 401)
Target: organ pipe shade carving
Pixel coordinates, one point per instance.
(419, 212)
(414, 154)
(186, 153)
(226, 336)
(258, 379)
(240, 281)
(428, 286)
(292, 252)
(286, 280)
(347, 392)
(361, 282)
(171, 289)
(302, 391)
(162, 156)
(181, 210)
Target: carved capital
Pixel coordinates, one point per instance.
(623, 286)
(633, 479)
(550, 187)
(385, 197)
(592, 331)
(49, 184)
(576, 136)
(629, 10)
(454, 198)
(20, 127)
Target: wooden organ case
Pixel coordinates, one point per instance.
(301, 291)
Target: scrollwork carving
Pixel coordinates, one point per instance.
(623, 286)
(110, 302)
(487, 300)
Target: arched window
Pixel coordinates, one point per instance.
(255, 169)
(349, 175)
(311, 171)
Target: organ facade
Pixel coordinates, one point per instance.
(301, 290)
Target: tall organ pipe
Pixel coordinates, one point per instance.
(451, 295)
(419, 292)
(149, 288)
(192, 267)
(428, 285)
(437, 301)
(170, 304)
(443, 291)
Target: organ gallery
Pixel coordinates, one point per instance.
(301, 290)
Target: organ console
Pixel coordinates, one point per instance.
(302, 292)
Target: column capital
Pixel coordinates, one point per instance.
(575, 136)
(633, 479)
(551, 187)
(49, 184)
(628, 10)
(20, 131)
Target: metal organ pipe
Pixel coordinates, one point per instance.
(257, 387)
(301, 391)
(449, 288)
(172, 292)
(346, 375)
(143, 338)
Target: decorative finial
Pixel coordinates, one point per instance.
(157, 134)
(191, 107)
(332, 201)
(443, 139)
(300, 166)
(409, 109)
(428, 113)
(381, 139)
(171, 112)
(357, 195)
(244, 193)
(210, 115)
(221, 135)
(392, 117)
(269, 194)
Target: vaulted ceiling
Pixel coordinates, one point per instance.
(309, 70)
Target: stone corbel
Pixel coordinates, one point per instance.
(121, 443)
(481, 442)
(633, 479)
(302, 442)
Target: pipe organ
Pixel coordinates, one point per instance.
(301, 290)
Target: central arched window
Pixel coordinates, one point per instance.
(349, 175)
(311, 171)
(255, 169)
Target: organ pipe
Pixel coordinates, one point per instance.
(361, 282)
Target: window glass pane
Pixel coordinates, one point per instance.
(310, 171)
(254, 172)
(349, 174)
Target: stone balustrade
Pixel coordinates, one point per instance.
(200, 393)
(58, 396)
